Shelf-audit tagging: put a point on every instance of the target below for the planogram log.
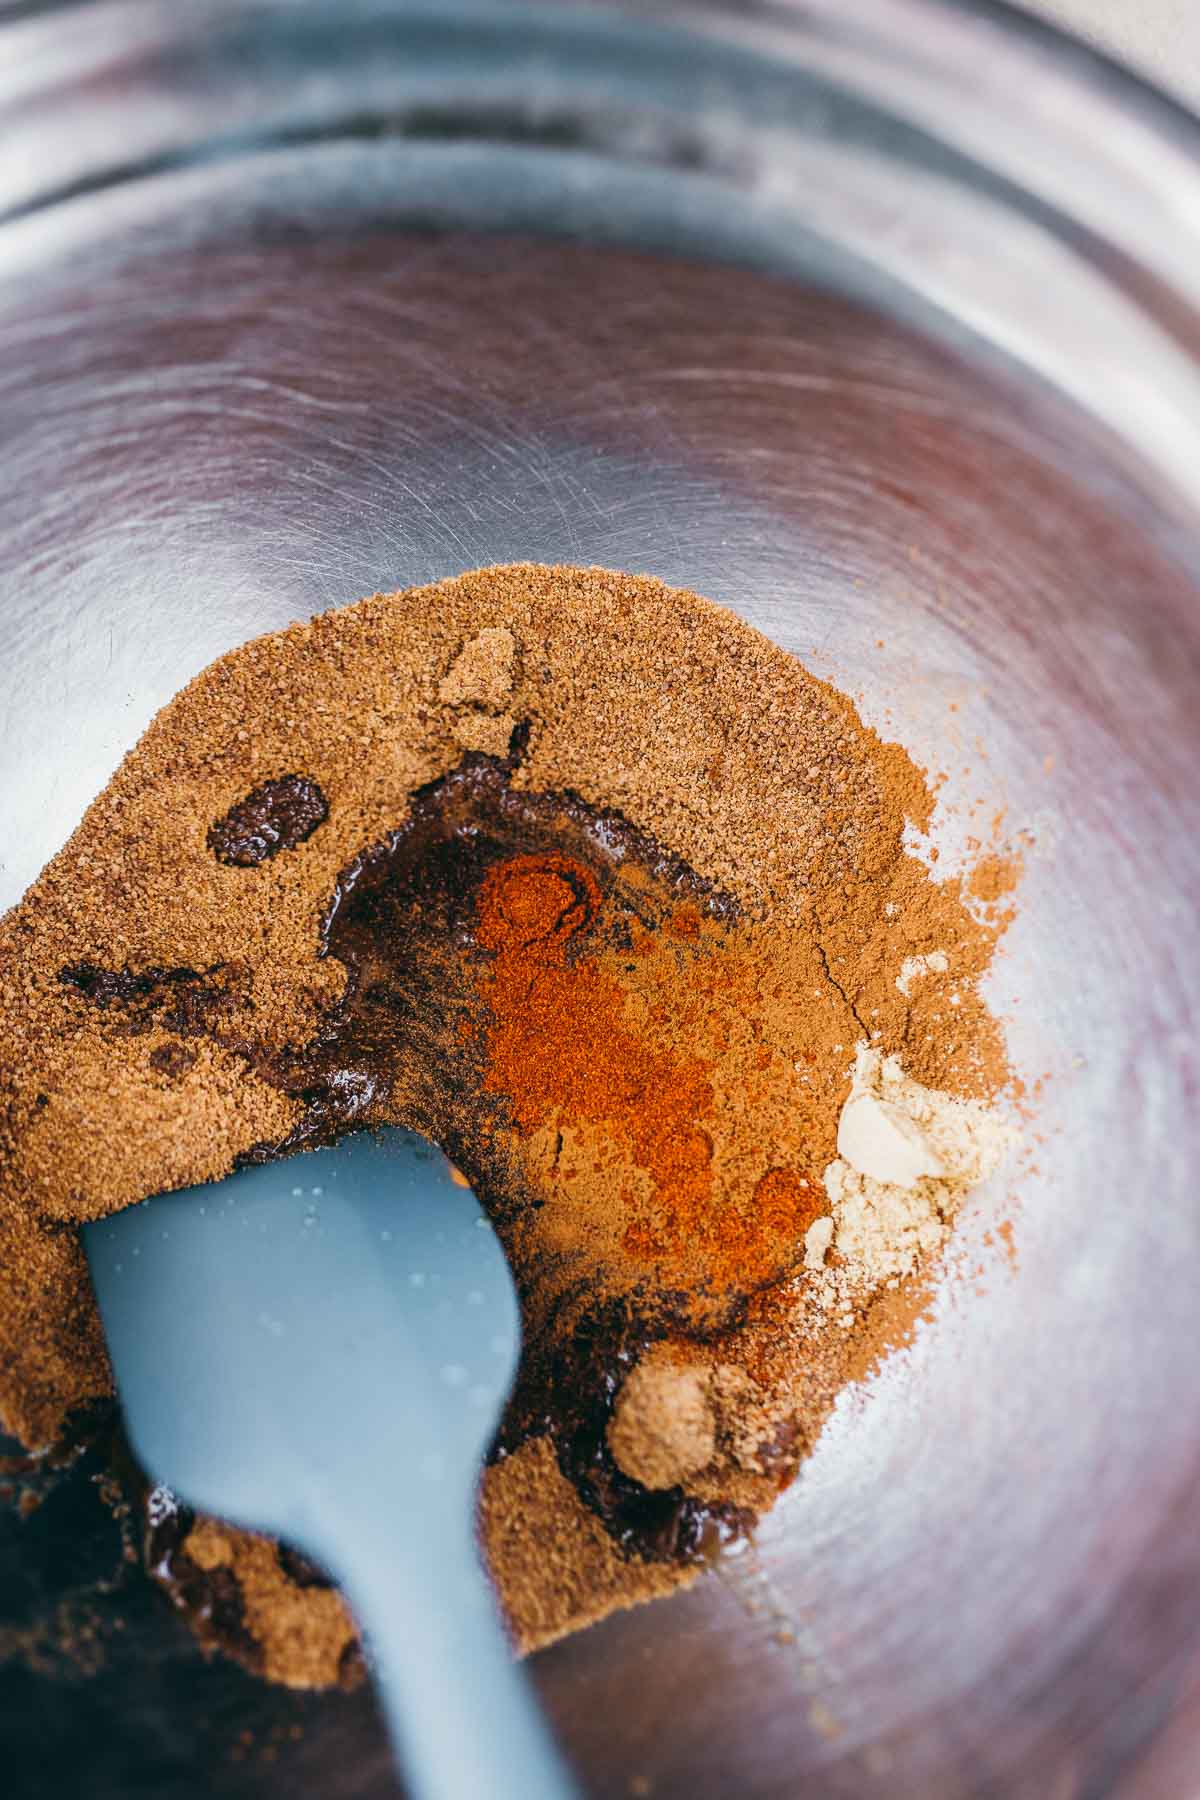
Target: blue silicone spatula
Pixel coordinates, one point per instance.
(320, 1349)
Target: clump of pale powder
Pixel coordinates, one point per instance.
(935, 962)
(908, 1156)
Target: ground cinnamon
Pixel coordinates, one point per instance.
(563, 1050)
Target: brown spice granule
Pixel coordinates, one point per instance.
(302, 1632)
(553, 1563)
(994, 876)
(155, 994)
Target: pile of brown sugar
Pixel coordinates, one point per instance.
(592, 884)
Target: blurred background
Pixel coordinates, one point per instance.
(1159, 37)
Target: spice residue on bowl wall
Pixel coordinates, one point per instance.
(586, 880)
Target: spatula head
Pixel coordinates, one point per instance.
(262, 1327)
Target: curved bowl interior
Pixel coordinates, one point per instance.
(241, 391)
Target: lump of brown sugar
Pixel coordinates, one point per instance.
(588, 882)
(662, 1427)
(483, 672)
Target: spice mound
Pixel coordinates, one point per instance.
(591, 884)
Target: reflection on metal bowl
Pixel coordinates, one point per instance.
(881, 323)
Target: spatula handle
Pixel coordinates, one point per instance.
(459, 1708)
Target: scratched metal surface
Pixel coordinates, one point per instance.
(290, 312)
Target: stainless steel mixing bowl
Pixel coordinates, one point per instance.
(880, 321)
